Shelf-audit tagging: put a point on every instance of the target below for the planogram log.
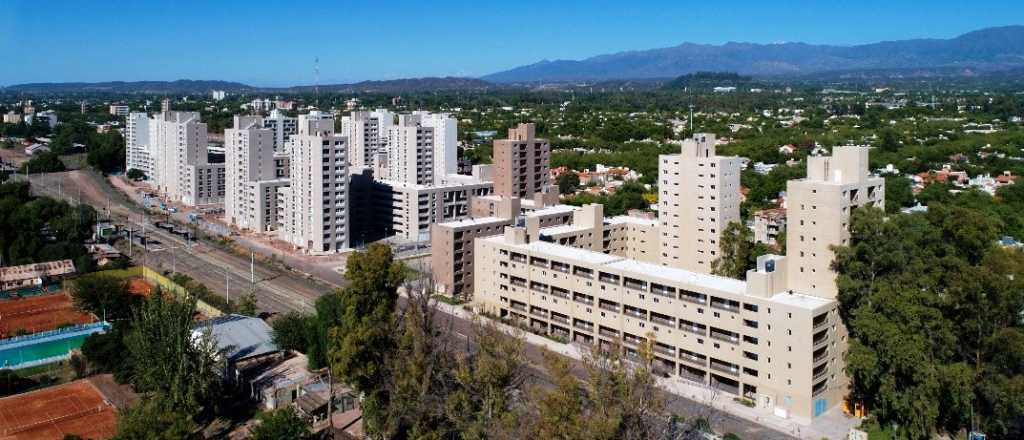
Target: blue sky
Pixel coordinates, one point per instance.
(275, 43)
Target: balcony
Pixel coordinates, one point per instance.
(663, 320)
(696, 329)
(663, 292)
(583, 325)
(583, 299)
(560, 318)
(820, 356)
(820, 374)
(695, 298)
(820, 321)
(629, 339)
(665, 350)
(561, 293)
(730, 306)
(607, 332)
(692, 358)
(725, 367)
(721, 335)
(537, 311)
(611, 307)
(518, 306)
(637, 313)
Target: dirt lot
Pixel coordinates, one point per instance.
(50, 413)
(38, 314)
(139, 286)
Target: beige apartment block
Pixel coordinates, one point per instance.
(744, 338)
(315, 207)
(408, 157)
(367, 133)
(698, 197)
(769, 224)
(818, 215)
(414, 208)
(522, 163)
(253, 173)
(181, 169)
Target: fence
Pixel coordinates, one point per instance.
(19, 340)
(164, 284)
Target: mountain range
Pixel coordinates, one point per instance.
(185, 86)
(989, 49)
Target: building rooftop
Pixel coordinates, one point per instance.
(562, 229)
(554, 210)
(621, 219)
(239, 337)
(566, 252)
(800, 300)
(715, 282)
(474, 221)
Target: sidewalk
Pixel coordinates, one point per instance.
(833, 424)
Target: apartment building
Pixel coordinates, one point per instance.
(446, 141)
(314, 209)
(182, 171)
(136, 143)
(522, 163)
(408, 157)
(775, 338)
(119, 110)
(818, 211)
(367, 133)
(282, 126)
(254, 171)
(451, 243)
(699, 197)
(736, 336)
(415, 207)
(769, 225)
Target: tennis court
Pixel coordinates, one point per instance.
(50, 413)
(38, 314)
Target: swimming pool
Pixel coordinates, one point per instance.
(42, 348)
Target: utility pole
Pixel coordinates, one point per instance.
(227, 284)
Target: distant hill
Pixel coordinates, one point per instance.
(710, 80)
(185, 86)
(401, 86)
(125, 87)
(986, 50)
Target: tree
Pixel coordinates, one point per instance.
(248, 304)
(106, 152)
(568, 182)
(933, 307)
(154, 418)
(291, 331)
(898, 193)
(367, 303)
(105, 296)
(135, 174)
(281, 423)
(484, 401)
(167, 360)
(736, 249)
(106, 352)
(889, 140)
(46, 162)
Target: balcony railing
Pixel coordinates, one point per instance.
(726, 338)
(724, 306)
(517, 306)
(663, 293)
(635, 313)
(608, 333)
(662, 321)
(820, 374)
(691, 358)
(820, 324)
(559, 293)
(609, 307)
(693, 329)
(658, 348)
(583, 300)
(725, 369)
(821, 356)
(583, 326)
(693, 299)
(559, 318)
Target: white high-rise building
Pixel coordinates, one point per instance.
(446, 141)
(181, 168)
(699, 198)
(136, 144)
(253, 175)
(218, 95)
(315, 207)
(283, 127)
(367, 133)
(409, 155)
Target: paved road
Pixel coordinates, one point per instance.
(281, 291)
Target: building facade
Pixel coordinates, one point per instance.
(314, 208)
(181, 168)
(253, 174)
(698, 197)
(367, 133)
(522, 163)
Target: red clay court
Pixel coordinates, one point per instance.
(73, 408)
(38, 314)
